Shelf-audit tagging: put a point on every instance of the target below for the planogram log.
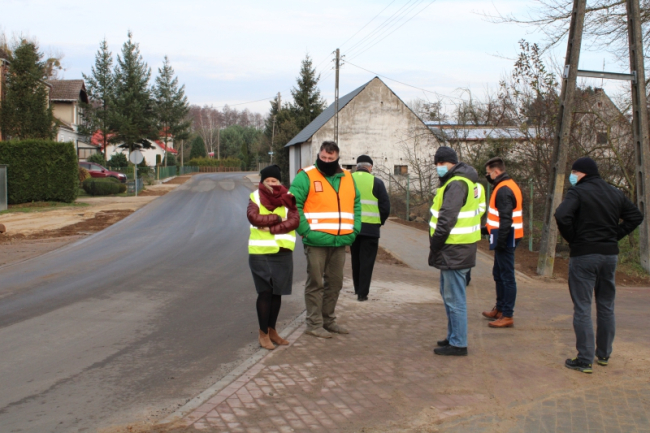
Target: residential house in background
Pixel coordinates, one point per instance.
(66, 97)
(153, 149)
(373, 121)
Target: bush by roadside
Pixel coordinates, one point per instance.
(103, 186)
(211, 162)
(40, 170)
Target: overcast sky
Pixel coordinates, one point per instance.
(232, 53)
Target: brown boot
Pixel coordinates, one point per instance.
(492, 315)
(273, 335)
(503, 322)
(265, 341)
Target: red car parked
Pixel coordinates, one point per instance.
(97, 170)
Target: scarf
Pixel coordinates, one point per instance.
(276, 196)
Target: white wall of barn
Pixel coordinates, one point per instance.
(375, 123)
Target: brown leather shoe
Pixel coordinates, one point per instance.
(265, 341)
(503, 322)
(273, 335)
(492, 315)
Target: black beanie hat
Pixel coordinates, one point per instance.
(445, 154)
(585, 165)
(364, 158)
(271, 171)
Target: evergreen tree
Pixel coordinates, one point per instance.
(198, 148)
(25, 111)
(275, 138)
(172, 107)
(307, 101)
(100, 86)
(133, 116)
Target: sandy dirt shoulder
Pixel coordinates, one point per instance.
(30, 234)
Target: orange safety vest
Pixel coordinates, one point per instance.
(517, 212)
(326, 210)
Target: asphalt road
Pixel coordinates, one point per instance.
(130, 323)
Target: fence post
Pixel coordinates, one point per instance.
(530, 216)
(408, 196)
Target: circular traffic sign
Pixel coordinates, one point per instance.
(136, 157)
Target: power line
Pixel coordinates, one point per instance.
(405, 84)
(381, 26)
(358, 31)
(399, 27)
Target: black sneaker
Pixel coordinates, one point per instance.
(575, 364)
(443, 343)
(450, 351)
(362, 298)
(603, 361)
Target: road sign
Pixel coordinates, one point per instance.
(136, 157)
(270, 153)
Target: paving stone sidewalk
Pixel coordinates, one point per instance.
(383, 377)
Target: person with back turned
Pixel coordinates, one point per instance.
(330, 219)
(375, 208)
(592, 218)
(455, 228)
(505, 221)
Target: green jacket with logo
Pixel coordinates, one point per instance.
(300, 189)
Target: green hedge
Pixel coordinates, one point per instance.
(40, 170)
(103, 186)
(211, 162)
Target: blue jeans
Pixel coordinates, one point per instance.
(503, 272)
(452, 290)
(593, 274)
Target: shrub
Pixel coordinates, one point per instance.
(97, 158)
(118, 160)
(171, 160)
(83, 174)
(40, 170)
(102, 186)
(211, 162)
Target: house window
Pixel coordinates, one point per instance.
(601, 138)
(401, 170)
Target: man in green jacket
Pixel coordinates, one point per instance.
(330, 218)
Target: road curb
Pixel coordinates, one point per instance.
(236, 373)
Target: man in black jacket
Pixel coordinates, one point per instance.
(375, 208)
(588, 219)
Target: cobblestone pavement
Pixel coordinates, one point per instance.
(383, 377)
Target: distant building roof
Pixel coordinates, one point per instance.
(464, 133)
(68, 90)
(324, 117)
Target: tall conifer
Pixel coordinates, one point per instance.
(100, 86)
(172, 107)
(133, 117)
(307, 100)
(25, 111)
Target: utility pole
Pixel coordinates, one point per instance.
(639, 130)
(640, 127)
(218, 143)
(336, 97)
(182, 148)
(279, 106)
(561, 142)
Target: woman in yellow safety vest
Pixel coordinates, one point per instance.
(274, 217)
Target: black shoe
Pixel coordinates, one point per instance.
(443, 343)
(450, 351)
(603, 361)
(362, 298)
(576, 364)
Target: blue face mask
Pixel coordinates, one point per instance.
(573, 179)
(442, 170)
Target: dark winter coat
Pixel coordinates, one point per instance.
(452, 256)
(272, 221)
(506, 202)
(379, 191)
(588, 217)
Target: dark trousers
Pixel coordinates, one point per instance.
(593, 274)
(364, 253)
(503, 272)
